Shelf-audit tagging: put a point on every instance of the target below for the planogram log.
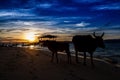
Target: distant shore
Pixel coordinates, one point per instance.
(29, 64)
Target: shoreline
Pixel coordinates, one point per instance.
(105, 58)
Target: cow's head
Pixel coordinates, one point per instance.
(99, 40)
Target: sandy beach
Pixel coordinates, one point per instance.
(28, 64)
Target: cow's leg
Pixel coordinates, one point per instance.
(84, 58)
(56, 56)
(76, 55)
(69, 56)
(91, 57)
(52, 57)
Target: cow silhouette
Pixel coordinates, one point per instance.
(87, 43)
(55, 47)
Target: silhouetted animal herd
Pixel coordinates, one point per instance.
(82, 43)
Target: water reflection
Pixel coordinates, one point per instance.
(31, 46)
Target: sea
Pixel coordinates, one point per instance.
(111, 53)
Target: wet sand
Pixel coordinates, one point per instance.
(28, 64)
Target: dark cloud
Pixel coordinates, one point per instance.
(13, 29)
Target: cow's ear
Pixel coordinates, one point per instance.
(94, 34)
(102, 34)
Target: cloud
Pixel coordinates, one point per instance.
(1, 30)
(66, 21)
(42, 21)
(15, 13)
(52, 10)
(111, 6)
(42, 3)
(73, 18)
(82, 24)
(13, 30)
(87, 1)
(65, 8)
(22, 26)
(111, 33)
(45, 5)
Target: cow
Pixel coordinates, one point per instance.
(87, 43)
(55, 47)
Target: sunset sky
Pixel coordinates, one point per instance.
(21, 18)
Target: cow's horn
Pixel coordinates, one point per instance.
(94, 34)
(102, 34)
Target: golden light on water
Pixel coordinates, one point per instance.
(31, 46)
(30, 36)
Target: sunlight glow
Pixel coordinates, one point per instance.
(30, 36)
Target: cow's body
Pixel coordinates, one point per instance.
(86, 43)
(56, 47)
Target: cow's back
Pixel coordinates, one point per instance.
(83, 42)
(55, 46)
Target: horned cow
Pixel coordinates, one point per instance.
(87, 43)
